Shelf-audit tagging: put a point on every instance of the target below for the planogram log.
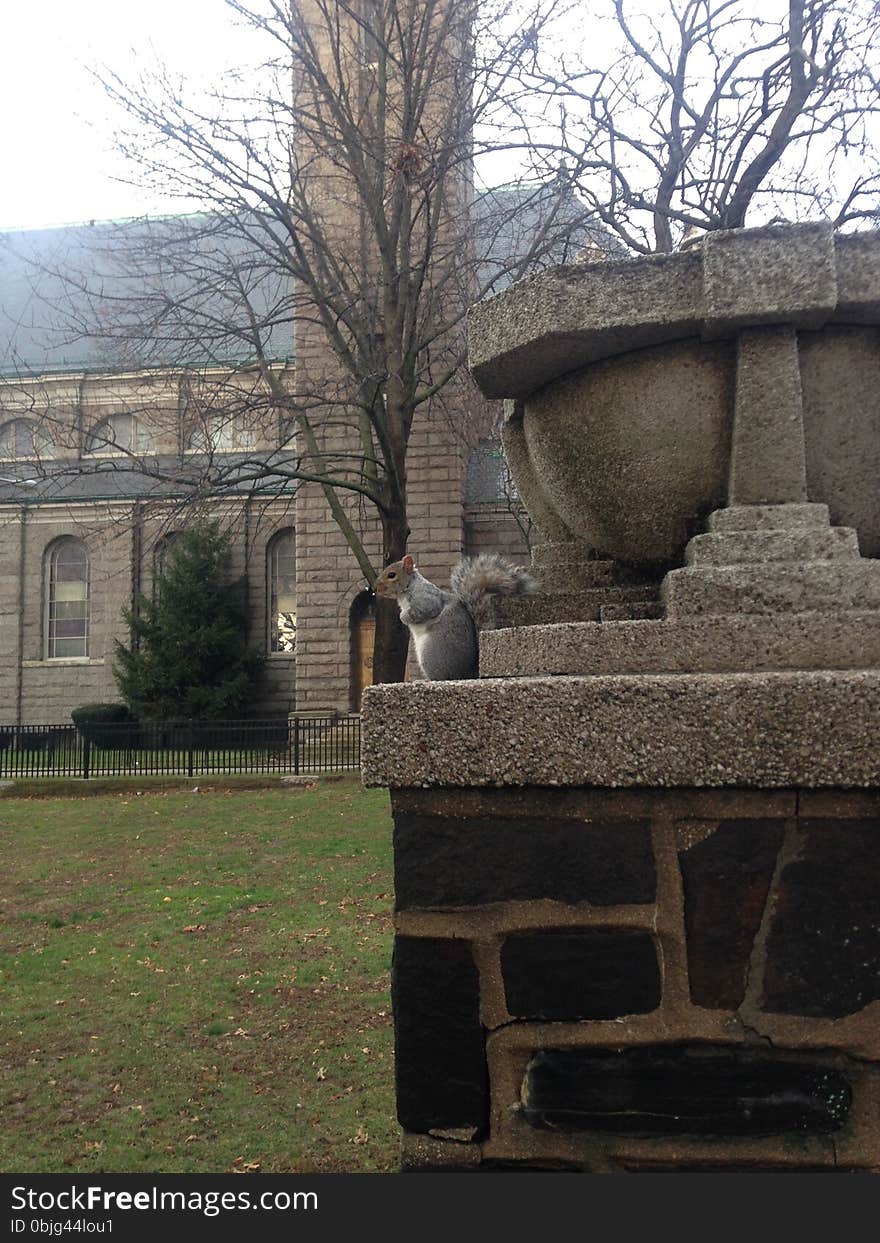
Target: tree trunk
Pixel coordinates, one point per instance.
(392, 642)
(392, 637)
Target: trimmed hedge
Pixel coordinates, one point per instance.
(100, 725)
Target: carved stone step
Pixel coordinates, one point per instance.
(645, 611)
(572, 566)
(574, 576)
(823, 587)
(685, 645)
(755, 547)
(557, 555)
(769, 517)
(552, 607)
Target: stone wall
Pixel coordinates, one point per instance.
(121, 543)
(626, 980)
(122, 547)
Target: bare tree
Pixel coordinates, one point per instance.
(331, 199)
(691, 115)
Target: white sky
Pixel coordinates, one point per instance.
(56, 131)
(56, 135)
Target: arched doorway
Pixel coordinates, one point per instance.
(362, 621)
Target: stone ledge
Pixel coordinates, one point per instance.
(772, 730)
(562, 320)
(731, 644)
(60, 662)
(572, 316)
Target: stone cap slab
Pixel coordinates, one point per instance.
(768, 730)
(570, 316)
(731, 644)
(776, 275)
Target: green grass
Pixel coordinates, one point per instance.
(197, 982)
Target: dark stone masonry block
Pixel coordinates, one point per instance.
(681, 1089)
(440, 1055)
(567, 975)
(823, 951)
(726, 879)
(459, 861)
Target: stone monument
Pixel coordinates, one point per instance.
(638, 860)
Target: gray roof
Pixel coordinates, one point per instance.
(141, 293)
(519, 230)
(186, 291)
(165, 476)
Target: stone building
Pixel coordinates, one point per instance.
(104, 440)
(98, 459)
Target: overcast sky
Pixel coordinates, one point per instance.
(56, 137)
(56, 130)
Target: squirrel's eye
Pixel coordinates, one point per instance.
(392, 576)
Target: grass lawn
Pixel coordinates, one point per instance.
(197, 982)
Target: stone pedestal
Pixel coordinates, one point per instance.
(615, 880)
(637, 875)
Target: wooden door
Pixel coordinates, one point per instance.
(365, 637)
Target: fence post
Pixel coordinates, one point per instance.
(296, 745)
(189, 739)
(87, 756)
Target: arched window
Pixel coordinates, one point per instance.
(222, 433)
(67, 599)
(21, 438)
(163, 548)
(282, 592)
(120, 433)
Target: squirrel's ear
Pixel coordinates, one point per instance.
(408, 564)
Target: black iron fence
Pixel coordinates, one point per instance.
(190, 748)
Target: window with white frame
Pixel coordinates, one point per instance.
(222, 433)
(22, 438)
(282, 592)
(120, 433)
(67, 600)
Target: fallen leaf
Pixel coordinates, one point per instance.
(240, 1166)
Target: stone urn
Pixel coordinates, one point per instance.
(644, 394)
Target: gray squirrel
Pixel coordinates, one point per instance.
(445, 624)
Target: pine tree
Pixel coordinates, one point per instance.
(188, 656)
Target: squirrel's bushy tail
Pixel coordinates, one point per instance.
(476, 580)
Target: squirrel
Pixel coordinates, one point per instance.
(445, 624)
